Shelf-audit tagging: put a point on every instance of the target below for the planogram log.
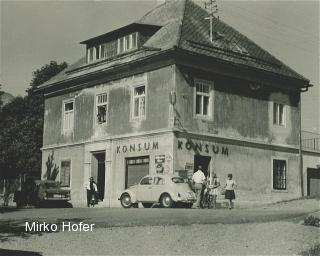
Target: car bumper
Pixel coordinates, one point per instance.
(182, 200)
(57, 199)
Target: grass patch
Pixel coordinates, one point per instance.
(313, 251)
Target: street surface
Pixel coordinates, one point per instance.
(270, 230)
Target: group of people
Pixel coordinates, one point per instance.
(210, 186)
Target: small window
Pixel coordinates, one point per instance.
(90, 54)
(279, 114)
(146, 181)
(202, 98)
(65, 173)
(158, 181)
(279, 174)
(102, 108)
(127, 43)
(68, 116)
(177, 180)
(139, 104)
(102, 51)
(97, 52)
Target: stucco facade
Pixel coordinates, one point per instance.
(238, 138)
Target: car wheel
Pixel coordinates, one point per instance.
(126, 201)
(147, 205)
(166, 201)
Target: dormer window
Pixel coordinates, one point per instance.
(127, 43)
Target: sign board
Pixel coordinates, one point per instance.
(159, 159)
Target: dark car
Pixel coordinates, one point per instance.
(40, 191)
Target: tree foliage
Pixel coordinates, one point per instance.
(52, 169)
(1, 93)
(21, 127)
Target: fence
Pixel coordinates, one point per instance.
(310, 140)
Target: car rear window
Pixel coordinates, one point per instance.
(177, 180)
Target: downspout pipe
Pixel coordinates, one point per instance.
(304, 89)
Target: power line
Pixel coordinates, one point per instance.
(277, 25)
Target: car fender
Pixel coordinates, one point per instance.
(132, 193)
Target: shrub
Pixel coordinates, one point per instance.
(312, 221)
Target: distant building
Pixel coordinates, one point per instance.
(158, 95)
(311, 162)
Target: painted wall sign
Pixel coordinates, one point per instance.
(201, 147)
(136, 147)
(159, 158)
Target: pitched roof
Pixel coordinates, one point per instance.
(183, 26)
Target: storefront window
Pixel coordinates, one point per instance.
(136, 169)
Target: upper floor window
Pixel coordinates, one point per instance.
(102, 108)
(279, 174)
(90, 54)
(68, 115)
(65, 173)
(139, 102)
(127, 43)
(279, 114)
(202, 99)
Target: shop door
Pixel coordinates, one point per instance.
(204, 161)
(136, 168)
(99, 172)
(313, 182)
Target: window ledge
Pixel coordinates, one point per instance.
(279, 190)
(204, 118)
(137, 119)
(280, 126)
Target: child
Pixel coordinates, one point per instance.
(230, 186)
(215, 190)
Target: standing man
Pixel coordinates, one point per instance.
(92, 191)
(198, 178)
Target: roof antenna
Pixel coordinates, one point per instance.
(212, 7)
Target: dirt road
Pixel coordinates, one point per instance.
(271, 230)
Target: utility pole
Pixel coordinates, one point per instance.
(212, 7)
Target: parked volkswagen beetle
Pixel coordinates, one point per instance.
(159, 188)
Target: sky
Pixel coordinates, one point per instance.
(35, 32)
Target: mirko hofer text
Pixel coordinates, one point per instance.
(36, 226)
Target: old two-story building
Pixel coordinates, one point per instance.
(165, 95)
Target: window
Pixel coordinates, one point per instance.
(102, 50)
(102, 108)
(68, 115)
(136, 169)
(90, 54)
(127, 43)
(279, 174)
(65, 173)
(146, 181)
(177, 180)
(202, 99)
(139, 102)
(279, 114)
(97, 52)
(158, 181)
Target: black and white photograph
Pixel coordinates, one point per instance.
(159, 127)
